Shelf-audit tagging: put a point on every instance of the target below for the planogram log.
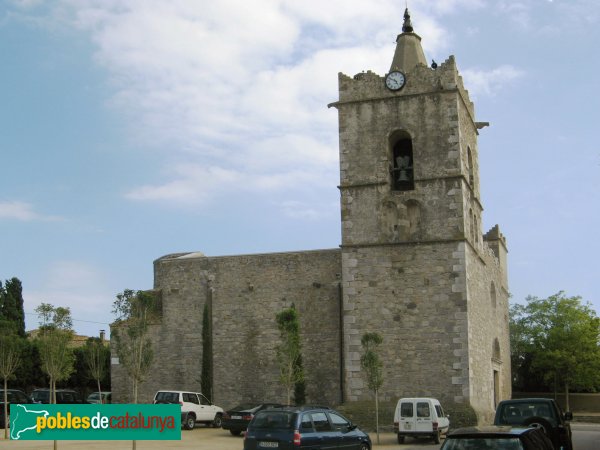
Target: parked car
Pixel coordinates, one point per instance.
(12, 396)
(297, 427)
(543, 413)
(500, 438)
(99, 397)
(418, 417)
(63, 396)
(195, 408)
(237, 419)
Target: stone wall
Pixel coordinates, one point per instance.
(489, 348)
(408, 294)
(244, 293)
(248, 291)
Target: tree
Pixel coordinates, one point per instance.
(95, 356)
(11, 304)
(559, 338)
(10, 359)
(289, 356)
(206, 380)
(372, 366)
(53, 341)
(134, 312)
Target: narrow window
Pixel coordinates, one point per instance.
(470, 166)
(402, 171)
(496, 382)
(472, 220)
(493, 294)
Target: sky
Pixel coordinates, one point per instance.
(134, 129)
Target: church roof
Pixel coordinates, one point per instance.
(408, 52)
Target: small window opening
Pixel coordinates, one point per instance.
(402, 172)
(470, 166)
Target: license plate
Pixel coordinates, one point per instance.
(236, 417)
(407, 426)
(268, 444)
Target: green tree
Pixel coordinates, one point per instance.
(53, 341)
(96, 355)
(559, 339)
(206, 381)
(11, 346)
(134, 310)
(373, 367)
(11, 304)
(289, 353)
(29, 373)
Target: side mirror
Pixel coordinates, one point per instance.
(568, 415)
(352, 427)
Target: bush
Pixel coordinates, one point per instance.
(461, 415)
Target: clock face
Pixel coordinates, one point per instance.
(395, 80)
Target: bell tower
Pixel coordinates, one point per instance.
(411, 239)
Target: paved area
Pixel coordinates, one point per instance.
(200, 438)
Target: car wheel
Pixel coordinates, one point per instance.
(436, 438)
(218, 421)
(539, 422)
(400, 439)
(364, 446)
(235, 432)
(190, 421)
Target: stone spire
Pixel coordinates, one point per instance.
(409, 52)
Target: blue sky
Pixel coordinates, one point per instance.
(130, 130)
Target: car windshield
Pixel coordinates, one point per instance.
(94, 396)
(518, 413)
(273, 419)
(477, 443)
(40, 396)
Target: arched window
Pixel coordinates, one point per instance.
(402, 162)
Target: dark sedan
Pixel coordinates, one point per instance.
(303, 427)
(237, 419)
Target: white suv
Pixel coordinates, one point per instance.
(195, 407)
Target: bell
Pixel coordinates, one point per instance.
(403, 176)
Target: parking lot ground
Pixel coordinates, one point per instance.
(201, 438)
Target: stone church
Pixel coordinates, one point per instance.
(413, 265)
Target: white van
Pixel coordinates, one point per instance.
(418, 417)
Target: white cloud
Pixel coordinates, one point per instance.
(234, 93)
(22, 211)
(78, 286)
(489, 82)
